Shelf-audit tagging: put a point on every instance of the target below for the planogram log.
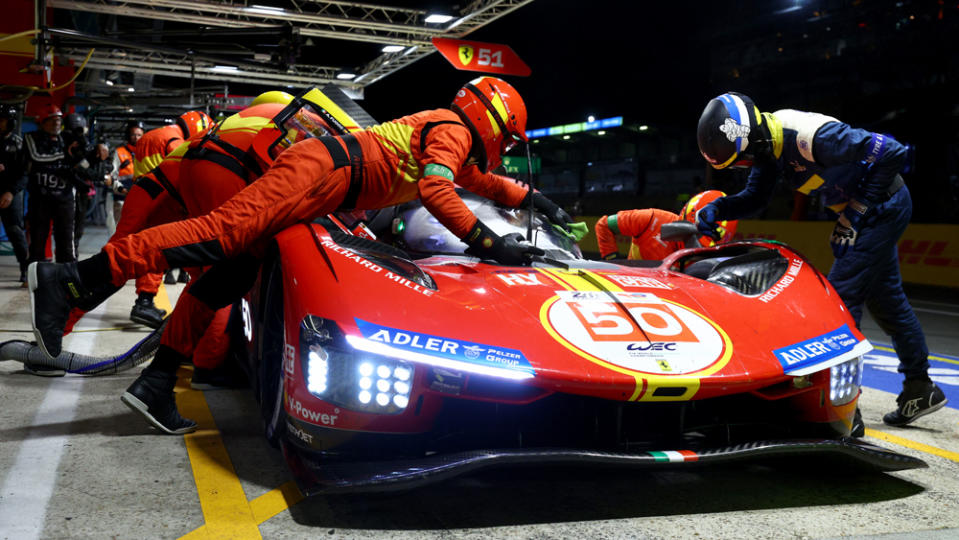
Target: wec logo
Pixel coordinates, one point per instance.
(651, 346)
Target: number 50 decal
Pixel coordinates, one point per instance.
(606, 321)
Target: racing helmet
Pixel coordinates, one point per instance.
(303, 118)
(193, 122)
(273, 96)
(8, 113)
(731, 132)
(49, 111)
(726, 228)
(495, 114)
(76, 124)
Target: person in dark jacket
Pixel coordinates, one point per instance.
(856, 173)
(12, 183)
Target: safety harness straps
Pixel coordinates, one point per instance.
(351, 157)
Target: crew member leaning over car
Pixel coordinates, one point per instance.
(857, 173)
(420, 155)
(194, 179)
(644, 225)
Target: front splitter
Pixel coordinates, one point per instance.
(318, 475)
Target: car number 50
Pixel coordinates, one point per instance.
(606, 322)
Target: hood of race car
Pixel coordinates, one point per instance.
(605, 330)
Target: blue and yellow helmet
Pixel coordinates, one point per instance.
(730, 131)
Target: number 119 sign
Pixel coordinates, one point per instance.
(479, 56)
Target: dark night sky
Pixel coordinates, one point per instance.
(608, 59)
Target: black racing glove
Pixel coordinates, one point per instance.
(552, 210)
(486, 244)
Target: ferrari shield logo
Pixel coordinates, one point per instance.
(466, 54)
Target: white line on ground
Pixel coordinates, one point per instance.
(30, 482)
(937, 311)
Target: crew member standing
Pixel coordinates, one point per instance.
(12, 183)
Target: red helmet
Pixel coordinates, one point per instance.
(193, 122)
(496, 114)
(727, 228)
(49, 111)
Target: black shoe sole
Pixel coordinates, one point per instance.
(39, 371)
(143, 410)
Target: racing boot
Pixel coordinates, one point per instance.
(169, 278)
(146, 313)
(151, 395)
(55, 288)
(919, 397)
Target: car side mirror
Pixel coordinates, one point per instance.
(680, 231)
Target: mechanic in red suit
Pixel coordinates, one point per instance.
(192, 180)
(420, 155)
(644, 227)
(150, 150)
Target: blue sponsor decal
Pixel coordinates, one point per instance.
(444, 347)
(816, 350)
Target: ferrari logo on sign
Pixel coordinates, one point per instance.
(466, 54)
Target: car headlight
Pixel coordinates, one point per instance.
(360, 381)
(844, 381)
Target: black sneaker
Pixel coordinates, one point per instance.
(146, 313)
(54, 289)
(169, 278)
(918, 398)
(23, 276)
(151, 395)
(858, 429)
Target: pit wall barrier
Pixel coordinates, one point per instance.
(928, 254)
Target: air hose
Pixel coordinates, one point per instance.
(81, 364)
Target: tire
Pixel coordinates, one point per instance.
(270, 352)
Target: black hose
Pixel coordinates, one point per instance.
(30, 354)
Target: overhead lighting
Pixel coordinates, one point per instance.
(224, 68)
(643, 127)
(601, 132)
(130, 89)
(108, 82)
(345, 76)
(437, 18)
(265, 10)
(393, 48)
(590, 118)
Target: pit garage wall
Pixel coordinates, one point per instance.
(929, 254)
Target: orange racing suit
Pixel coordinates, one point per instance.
(420, 155)
(643, 226)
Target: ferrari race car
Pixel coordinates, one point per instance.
(382, 366)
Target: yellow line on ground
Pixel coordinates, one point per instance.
(273, 502)
(931, 356)
(162, 300)
(882, 435)
(225, 508)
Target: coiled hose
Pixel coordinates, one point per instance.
(81, 364)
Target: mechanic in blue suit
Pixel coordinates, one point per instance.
(857, 173)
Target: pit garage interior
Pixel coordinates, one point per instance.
(76, 463)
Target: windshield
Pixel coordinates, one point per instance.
(425, 234)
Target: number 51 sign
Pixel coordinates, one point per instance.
(479, 56)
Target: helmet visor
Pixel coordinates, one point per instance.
(300, 124)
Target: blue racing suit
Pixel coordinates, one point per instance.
(814, 152)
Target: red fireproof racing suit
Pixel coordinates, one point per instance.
(643, 226)
(420, 155)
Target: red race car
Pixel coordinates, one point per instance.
(384, 366)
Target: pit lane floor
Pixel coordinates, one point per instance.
(76, 463)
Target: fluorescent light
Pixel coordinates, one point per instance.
(266, 10)
(643, 128)
(437, 18)
(346, 76)
(601, 132)
(393, 48)
(108, 82)
(224, 68)
(130, 89)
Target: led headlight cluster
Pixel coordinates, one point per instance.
(844, 381)
(339, 374)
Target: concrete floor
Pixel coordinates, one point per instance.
(76, 463)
